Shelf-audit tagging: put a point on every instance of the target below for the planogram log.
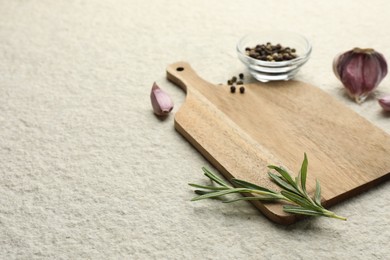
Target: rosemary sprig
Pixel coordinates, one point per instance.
(293, 191)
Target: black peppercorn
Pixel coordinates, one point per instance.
(232, 89)
(234, 79)
(270, 52)
(241, 75)
(242, 89)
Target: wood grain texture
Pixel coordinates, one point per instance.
(275, 123)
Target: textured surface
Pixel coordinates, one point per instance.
(87, 170)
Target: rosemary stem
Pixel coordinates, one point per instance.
(331, 214)
(293, 191)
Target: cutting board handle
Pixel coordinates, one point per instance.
(184, 76)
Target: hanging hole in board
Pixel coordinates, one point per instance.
(179, 68)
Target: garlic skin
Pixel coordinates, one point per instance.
(360, 71)
(385, 102)
(161, 102)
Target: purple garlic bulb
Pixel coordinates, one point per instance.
(360, 71)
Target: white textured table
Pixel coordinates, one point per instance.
(87, 171)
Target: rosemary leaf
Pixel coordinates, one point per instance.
(219, 193)
(202, 192)
(214, 177)
(317, 197)
(263, 198)
(207, 187)
(249, 185)
(301, 210)
(303, 174)
(286, 176)
(281, 183)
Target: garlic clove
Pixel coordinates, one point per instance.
(161, 102)
(360, 71)
(385, 102)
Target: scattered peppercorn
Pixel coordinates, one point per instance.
(233, 83)
(270, 52)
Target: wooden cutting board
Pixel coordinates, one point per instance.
(276, 123)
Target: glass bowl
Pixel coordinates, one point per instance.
(265, 71)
